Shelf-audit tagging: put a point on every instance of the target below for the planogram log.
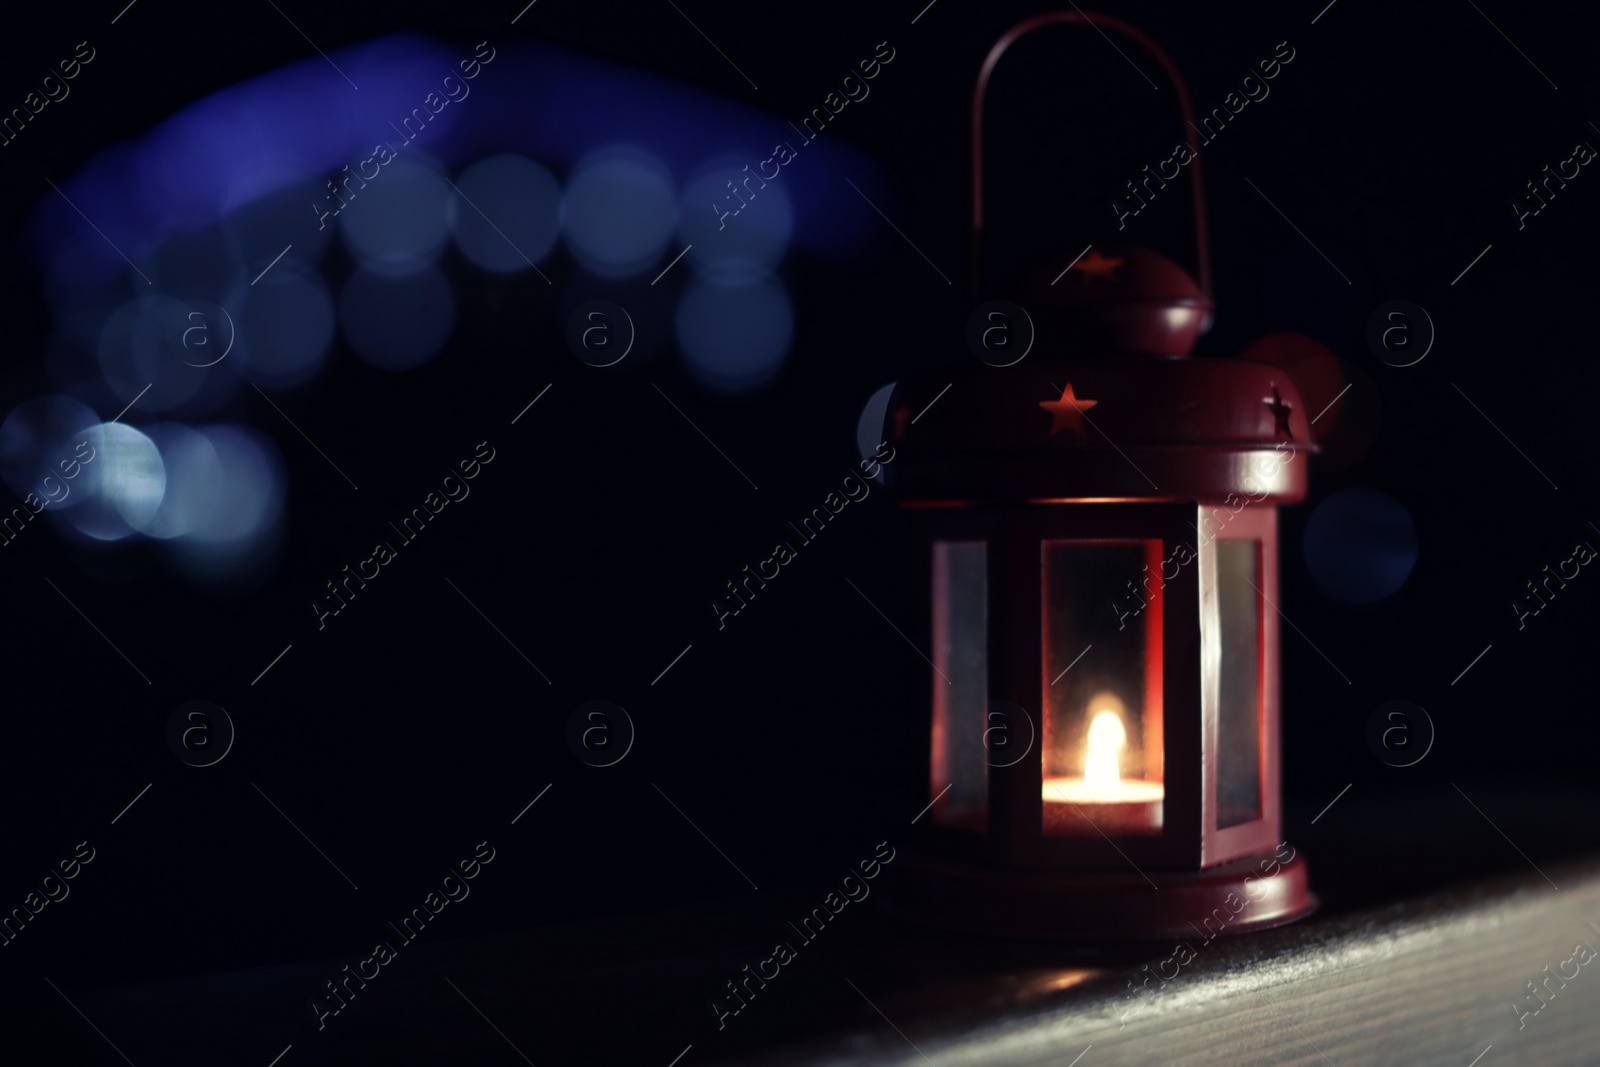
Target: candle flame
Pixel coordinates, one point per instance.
(1102, 776)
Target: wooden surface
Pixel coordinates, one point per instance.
(1426, 978)
(1422, 983)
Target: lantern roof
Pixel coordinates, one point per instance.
(1114, 427)
(1113, 298)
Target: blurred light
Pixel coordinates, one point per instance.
(245, 498)
(513, 210)
(294, 122)
(171, 342)
(194, 481)
(1360, 545)
(37, 437)
(122, 484)
(871, 426)
(1356, 418)
(232, 544)
(399, 220)
(559, 106)
(99, 253)
(393, 323)
(285, 326)
(735, 338)
(735, 248)
(620, 212)
(282, 133)
(142, 344)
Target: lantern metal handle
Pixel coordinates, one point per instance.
(1102, 23)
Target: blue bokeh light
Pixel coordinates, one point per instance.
(621, 212)
(513, 214)
(395, 324)
(1360, 545)
(280, 135)
(247, 497)
(40, 437)
(106, 354)
(194, 481)
(285, 328)
(239, 510)
(735, 235)
(203, 202)
(141, 345)
(735, 338)
(254, 137)
(122, 484)
(399, 221)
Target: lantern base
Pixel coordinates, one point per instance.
(1106, 907)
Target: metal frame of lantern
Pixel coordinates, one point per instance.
(1065, 505)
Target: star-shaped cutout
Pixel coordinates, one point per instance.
(1068, 412)
(1094, 265)
(1280, 413)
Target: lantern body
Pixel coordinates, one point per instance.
(1103, 709)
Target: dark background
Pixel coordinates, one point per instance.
(408, 730)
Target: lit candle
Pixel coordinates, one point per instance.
(1102, 796)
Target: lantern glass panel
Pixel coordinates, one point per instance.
(960, 684)
(1102, 631)
(1241, 688)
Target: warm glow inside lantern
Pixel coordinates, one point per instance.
(1097, 550)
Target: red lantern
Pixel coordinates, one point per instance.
(1097, 535)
